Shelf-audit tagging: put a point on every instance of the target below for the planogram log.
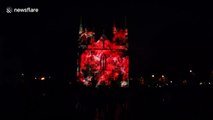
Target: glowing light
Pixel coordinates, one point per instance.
(42, 78)
(153, 76)
(35, 78)
(22, 74)
(201, 83)
(209, 83)
(162, 76)
(170, 81)
(190, 71)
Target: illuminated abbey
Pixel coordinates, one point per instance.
(103, 61)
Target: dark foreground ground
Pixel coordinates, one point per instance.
(37, 101)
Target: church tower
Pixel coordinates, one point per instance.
(103, 61)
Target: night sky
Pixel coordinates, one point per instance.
(164, 37)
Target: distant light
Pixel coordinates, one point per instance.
(184, 81)
(201, 83)
(166, 84)
(190, 71)
(35, 78)
(153, 76)
(170, 81)
(159, 86)
(70, 82)
(209, 83)
(163, 99)
(163, 76)
(22, 74)
(42, 78)
(49, 77)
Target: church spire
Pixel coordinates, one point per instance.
(125, 26)
(81, 26)
(114, 27)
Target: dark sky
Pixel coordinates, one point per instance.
(163, 36)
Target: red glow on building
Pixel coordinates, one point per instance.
(104, 60)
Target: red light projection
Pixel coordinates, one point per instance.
(103, 61)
